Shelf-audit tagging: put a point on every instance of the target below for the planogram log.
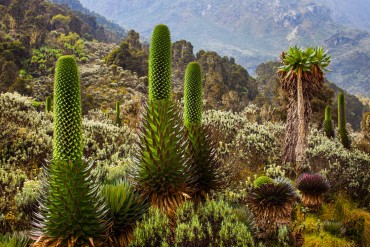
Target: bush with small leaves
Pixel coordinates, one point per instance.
(261, 180)
(212, 224)
(154, 230)
(346, 170)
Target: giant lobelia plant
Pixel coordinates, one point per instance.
(72, 211)
(205, 166)
(163, 169)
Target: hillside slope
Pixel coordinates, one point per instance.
(252, 31)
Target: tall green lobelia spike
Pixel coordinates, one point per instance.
(67, 111)
(118, 118)
(205, 166)
(160, 64)
(163, 172)
(342, 131)
(193, 94)
(328, 124)
(48, 104)
(72, 209)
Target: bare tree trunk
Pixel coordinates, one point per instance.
(302, 130)
(291, 133)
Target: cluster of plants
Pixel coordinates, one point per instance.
(165, 186)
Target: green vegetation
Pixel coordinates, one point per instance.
(312, 187)
(130, 55)
(163, 170)
(210, 174)
(48, 104)
(214, 223)
(328, 124)
(272, 205)
(342, 128)
(261, 180)
(126, 208)
(205, 165)
(118, 120)
(301, 76)
(18, 239)
(72, 212)
(160, 84)
(193, 95)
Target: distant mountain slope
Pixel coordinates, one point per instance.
(253, 31)
(350, 13)
(77, 6)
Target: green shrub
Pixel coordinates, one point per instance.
(154, 230)
(346, 170)
(17, 239)
(211, 224)
(261, 180)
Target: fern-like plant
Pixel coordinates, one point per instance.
(163, 171)
(342, 131)
(72, 211)
(206, 167)
(328, 124)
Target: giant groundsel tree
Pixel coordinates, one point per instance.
(301, 76)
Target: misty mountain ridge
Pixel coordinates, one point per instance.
(257, 31)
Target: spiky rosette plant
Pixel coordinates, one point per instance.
(126, 208)
(272, 204)
(163, 171)
(205, 165)
(312, 187)
(328, 124)
(17, 239)
(72, 211)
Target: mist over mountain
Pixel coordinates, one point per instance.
(256, 31)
